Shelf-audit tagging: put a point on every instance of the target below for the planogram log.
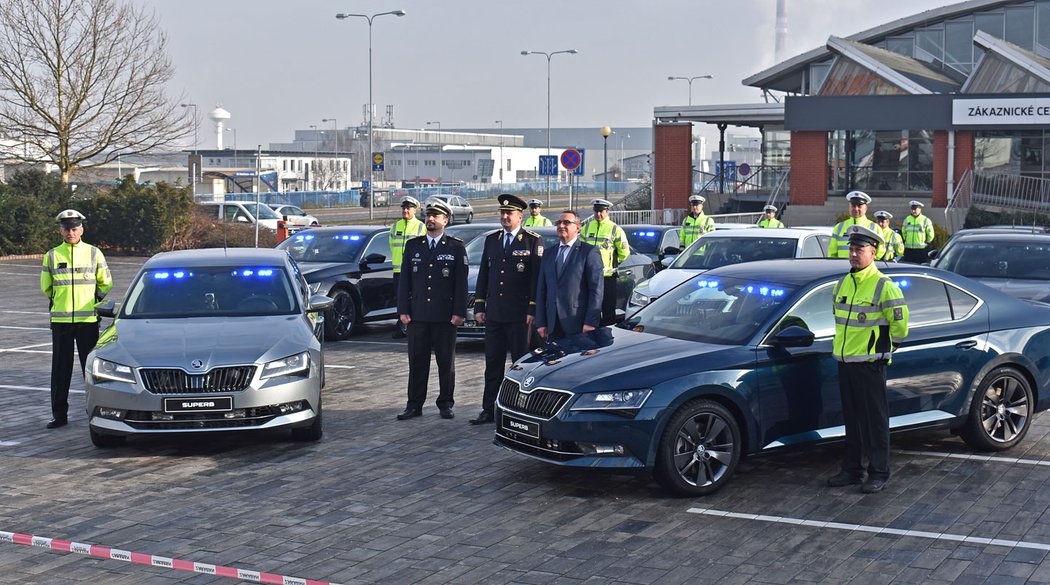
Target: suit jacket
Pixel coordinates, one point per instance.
(574, 297)
(506, 290)
(433, 283)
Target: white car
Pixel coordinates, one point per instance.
(460, 207)
(242, 212)
(295, 215)
(732, 246)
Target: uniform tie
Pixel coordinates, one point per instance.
(507, 239)
(433, 244)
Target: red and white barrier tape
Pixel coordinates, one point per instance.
(115, 554)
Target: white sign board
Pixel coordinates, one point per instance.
(1003, 111)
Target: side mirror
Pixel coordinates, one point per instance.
(375, 258)
(671, 251)
(793, 336)
(242, 219)
(932, 253)
(319, 303)
(106, 309)
(667, 261)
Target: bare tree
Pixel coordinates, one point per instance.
(82, 82)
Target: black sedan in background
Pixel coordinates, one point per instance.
(1015, 261)
(655, 241)
(352, 265)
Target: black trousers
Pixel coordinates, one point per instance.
(915, 255)
(63, 336)
(424, 339)
(866, 413)
(501, 339)
(609, 300)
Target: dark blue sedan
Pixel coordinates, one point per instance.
(738, 361)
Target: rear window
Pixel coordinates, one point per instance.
(707, 253)
(324, 247)
(999, 259)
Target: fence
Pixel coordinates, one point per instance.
(675, 217)
(996, 190)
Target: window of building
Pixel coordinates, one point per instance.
(1020, 26)
(1042, 24)
(817, 73)
(413, 163)
(958, 45)
(429, 163)
(848, 78)
(888, 161)
(508, 164)
(901, 45)
(990, 22)
(929, 44)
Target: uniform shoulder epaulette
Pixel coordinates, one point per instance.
(454, 238)
(531, 233)
(414, 238)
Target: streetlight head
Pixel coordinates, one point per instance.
(606, 131)
(341, 16)
(573, 51)
(708, 77)
(524, 52)
(399, 13)
(671, 78)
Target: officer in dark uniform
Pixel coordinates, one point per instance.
(432, 302)
(506, 296)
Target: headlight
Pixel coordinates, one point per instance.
(291, 365)
(106, 370)
(623, 400)
(640, 295)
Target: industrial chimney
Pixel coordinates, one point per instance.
(781, 32)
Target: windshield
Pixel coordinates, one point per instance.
(712, 310)
(265, 211)
(999, 259)
(644, 241)
(212, 291)
(324, 247)
(708, 253)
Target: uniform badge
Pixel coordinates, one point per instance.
(417, 254)
(519, 237)
(862, 317)
(898, 314)
(415, 269)
(521, 267)
(539, 250)
(445, 272)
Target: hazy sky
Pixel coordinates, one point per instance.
(278, 65)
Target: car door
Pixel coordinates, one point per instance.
(376, 285)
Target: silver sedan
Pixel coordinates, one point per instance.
(209, 340)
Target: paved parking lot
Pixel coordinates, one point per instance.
(433, 501)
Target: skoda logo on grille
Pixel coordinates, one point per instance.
(529, 381)
(196, 364)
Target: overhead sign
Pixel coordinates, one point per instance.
(377, 161)
(548, 165)
(983, 112)
(571, 159)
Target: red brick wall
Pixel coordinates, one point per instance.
(809, 168)
(963, 161)
(673, 168)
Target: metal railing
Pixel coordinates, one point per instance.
(1012, 192)
(960, 202)
(675, 217)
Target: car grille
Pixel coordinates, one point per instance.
(253, 417)
(540, 403)
(175, 381)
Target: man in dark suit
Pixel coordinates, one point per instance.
(432, 302)
(569, 292)
(506, 296)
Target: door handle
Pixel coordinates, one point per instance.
(968, 344)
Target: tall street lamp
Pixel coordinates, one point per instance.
(690, 80)
(500, 122)
(371, 175)
(193, 167)
(606, 131)
(548, 56)
(438, 123)
(234, 130)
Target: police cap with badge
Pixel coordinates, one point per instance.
(863, 236)
(437, 207)
(535, 203)
(508, 202)
(409, 202)
(70, 218)
(858, 197)
(697, 199)
(601, 204)
(883, 215)
(770, 209)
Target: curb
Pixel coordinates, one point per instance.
(22, 257)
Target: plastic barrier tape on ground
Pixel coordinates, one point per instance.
(104, 552)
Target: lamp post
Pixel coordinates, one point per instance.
(606, 131)
(234, 130)
(193, 166)
(438, 123)
(371, 177)
(690, 80)
(548, 55)
(500, 122)
(623, 172)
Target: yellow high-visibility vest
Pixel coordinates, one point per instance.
(75, 277)
(871, 316)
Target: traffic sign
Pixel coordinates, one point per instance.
(571, 159)
(744, 169)
(548, 165)
(377, 161)
(578, 171)
(726, 169)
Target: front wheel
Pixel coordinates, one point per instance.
(314, 432)
(1001, 411)
(103, 441)
(699, 449)
(470, 217)
(340, 320)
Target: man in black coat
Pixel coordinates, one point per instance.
(569, 290)
(432, 302)
(506, 296)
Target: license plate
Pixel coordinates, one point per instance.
(212, 404)
(518, 425)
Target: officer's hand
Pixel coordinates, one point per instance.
(480, 318)
(406, 319)
(529, 319)
(588, 328)
(542, 332)
(457, 320)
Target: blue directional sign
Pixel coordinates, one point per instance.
(578, 171)
(727, 170)
(548, 165)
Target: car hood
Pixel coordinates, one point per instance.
(215, 341)
(616, 356)
(668, 278)
(1035, 290)
(318, 271)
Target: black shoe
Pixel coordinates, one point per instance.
(484, 418)
(873, 486)
(410, 413)
(446, 412)
(57, 422)
(843, 478)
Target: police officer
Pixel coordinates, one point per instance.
(506, 296)
(871, 321)
(894, 247)
(535, 219)
(401, 231)
(432, 302)
(770, 220)
(917, 231)
(858, 209)
(74, 277)
(611, 241)
(696, 223)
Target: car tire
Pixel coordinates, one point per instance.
(1001, 411)
(103, 441)
(451, 218)
(314, 224)
(340, 320)
(314, 432)
(470, 217)
(699, 449)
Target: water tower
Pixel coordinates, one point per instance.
(218, 115)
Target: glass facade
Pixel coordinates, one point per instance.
(896, 161)
(1012, 152)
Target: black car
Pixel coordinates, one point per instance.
(655, 241)
(352, 265)
(1015, 261)
(468, 231)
